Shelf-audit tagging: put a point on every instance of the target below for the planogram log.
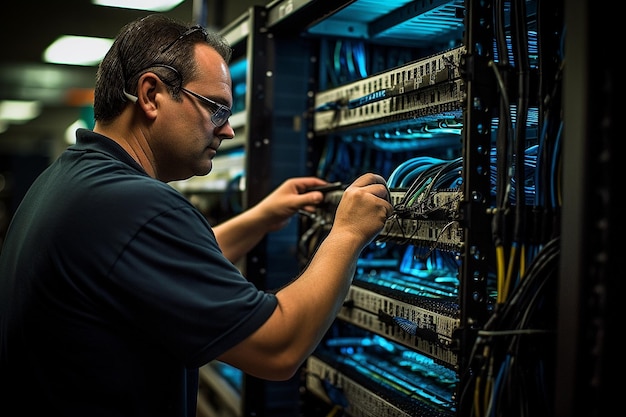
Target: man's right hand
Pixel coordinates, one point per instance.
(364, 207)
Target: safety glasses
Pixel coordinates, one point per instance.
(219, 113)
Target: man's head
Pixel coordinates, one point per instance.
(154, 43)
(164, 93)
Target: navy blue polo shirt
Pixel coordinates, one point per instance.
(113, 291)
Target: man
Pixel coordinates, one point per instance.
(114, 289)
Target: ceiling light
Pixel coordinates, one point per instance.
(154, 5)
(17, 111)
(77, 50)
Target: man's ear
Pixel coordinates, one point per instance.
(147, 88)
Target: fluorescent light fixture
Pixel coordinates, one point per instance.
(17, 111)
(154, 5)
(77, 50)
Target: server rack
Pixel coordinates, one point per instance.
(499, 123)
(393, 343)
(463, 96)
(590, 284)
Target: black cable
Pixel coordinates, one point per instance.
(520, 53)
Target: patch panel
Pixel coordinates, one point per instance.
(427, 87)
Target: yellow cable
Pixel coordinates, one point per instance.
(499, 273)
(336, 409)
(522, 262)
(477, 397)
(509, 274)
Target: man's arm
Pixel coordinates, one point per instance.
(308, 305)
(238, 235)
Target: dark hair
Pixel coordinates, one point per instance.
(141, 46)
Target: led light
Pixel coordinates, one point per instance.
(154, 5)
(77, 50)
(15, 111)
